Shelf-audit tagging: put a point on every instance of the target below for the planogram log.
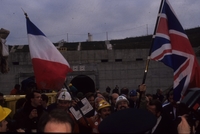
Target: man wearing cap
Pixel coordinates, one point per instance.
(104, 110)
(133, 99)
(121, 103)
(64, 101)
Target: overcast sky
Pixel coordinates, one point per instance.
(72, 20)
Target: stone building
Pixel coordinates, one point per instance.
(98, 64)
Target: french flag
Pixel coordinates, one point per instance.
(49, 65)
(172, 47)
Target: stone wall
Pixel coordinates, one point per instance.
(124, 68)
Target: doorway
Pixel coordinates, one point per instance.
(83, 84)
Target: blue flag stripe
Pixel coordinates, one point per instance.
(32, 29)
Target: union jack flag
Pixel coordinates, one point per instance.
(172, 47)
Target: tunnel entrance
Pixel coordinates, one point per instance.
(83, 83)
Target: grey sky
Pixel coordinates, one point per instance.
(72, 20)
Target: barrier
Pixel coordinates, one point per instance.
(10, 101)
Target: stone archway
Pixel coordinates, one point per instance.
(83, 83)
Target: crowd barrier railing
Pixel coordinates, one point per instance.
(10, 101)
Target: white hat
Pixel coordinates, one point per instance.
(64, 95)
(63, 89)
(121, 98)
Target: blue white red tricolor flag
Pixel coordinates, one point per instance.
(49, 65)
(172, 47)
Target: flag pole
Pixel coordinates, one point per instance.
(65, 84)
(148, 58)
(73, 98)
(26, 15)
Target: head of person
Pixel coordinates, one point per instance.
(159, 91)
(114, 98)
(115, 90)
(34, 98)
(155, 106)
(108, 89)
(124, 91)
(57, 121)
(17, 86)
(64, 100)
(4, 112)
(121, 103)
(106, 96)
(170, 97)
(45, 100)
(97, 100)
(90, 98)
(98, 94)
(133, 95)
(104, 109)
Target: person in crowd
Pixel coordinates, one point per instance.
(113, 99)
(4, 112)
(2, 100)
(116, 89)
(96, 102)
(133, 99)
(15, 90)
(143, 100)
(57, 121)
(64, 102)
(28, 117)
(90, 97)
(121, 103)
(45, 100)
(54, 105)
(20, 104)
(124, 91)
(159, 95)
(108, 89)
(164, 125)
(168, 98)
(170, 109)
(150, 96)
(106, 96)
(98, 94)
(104, 110)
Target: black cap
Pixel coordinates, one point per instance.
(128, 121)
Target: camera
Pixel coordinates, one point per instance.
(190, 105)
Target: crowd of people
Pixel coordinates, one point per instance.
(33, 114)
